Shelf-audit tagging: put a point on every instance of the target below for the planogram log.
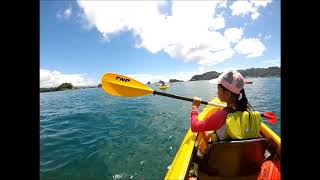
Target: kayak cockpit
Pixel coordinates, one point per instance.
(233, 159)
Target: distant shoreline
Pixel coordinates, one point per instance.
(247, 73)
(54, 89)
(246, 78)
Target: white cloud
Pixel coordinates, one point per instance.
(242, 8)
(207, 49)
(189, 33)
(53, 78)
(218, 23)
(255, 15)
(248, 7)
(217, 57)
(185, 76)
(233, 34)
(267, 37)
(262, 3)
(252, 47)
(65, 14)
(223, 4)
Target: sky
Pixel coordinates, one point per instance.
(80, 41)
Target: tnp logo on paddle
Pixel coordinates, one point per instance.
(122, 79)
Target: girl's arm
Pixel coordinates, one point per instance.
(213, 122)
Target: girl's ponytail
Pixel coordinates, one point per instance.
(242, 104)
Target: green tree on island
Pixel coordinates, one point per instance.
(64, 86)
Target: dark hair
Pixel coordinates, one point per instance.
(241, 104)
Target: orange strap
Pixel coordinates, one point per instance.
(269, 171)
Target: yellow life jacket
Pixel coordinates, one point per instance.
(239, 126)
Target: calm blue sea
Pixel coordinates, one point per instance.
(88, 134)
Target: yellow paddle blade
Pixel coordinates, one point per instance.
(119, 85)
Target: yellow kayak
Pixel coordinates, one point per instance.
(164, 86)
(242, 159)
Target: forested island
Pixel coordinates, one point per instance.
(252, 72)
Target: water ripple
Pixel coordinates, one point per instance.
(88, 134)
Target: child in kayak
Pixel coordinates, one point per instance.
(224, 124)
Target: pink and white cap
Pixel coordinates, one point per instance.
(232, 80)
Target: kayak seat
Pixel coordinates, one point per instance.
(236, 157)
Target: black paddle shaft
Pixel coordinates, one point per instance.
(177, 97)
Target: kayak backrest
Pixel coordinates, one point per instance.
(236, 158)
